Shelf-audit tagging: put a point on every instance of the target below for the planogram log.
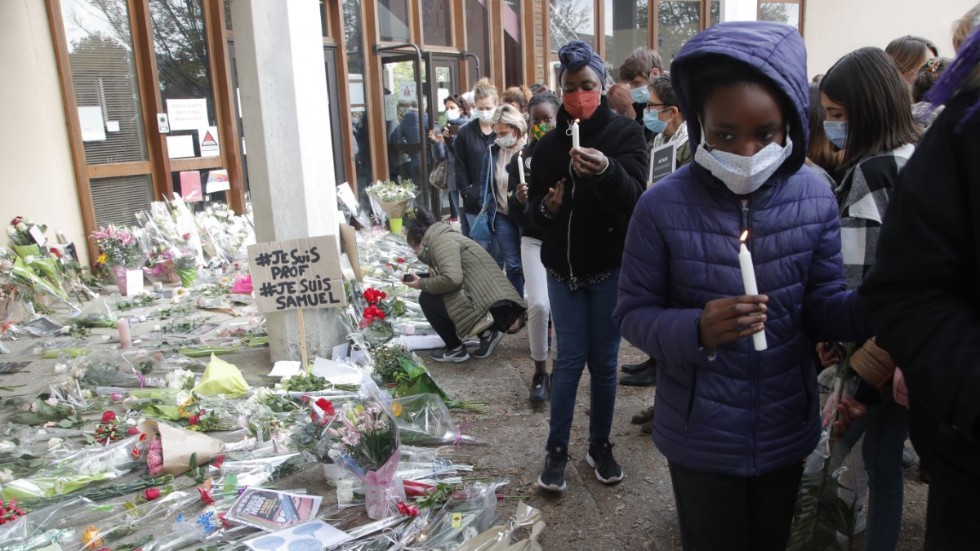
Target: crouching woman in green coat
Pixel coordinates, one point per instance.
(462, 291)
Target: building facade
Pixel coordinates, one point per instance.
(109, 104)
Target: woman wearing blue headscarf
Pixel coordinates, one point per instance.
(582, 198)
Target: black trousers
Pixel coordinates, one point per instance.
(434, 308)
(735, 513)
(949, 525)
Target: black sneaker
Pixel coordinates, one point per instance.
(540, 388)
(553, 476)
(630, 369)
(488, 343)
(454, 355)
(601, 458)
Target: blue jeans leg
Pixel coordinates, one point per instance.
(884, 441)
(586, 335)
(507, 237)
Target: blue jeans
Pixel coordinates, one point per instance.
(884, 441)
(586, 335)
(489, 246)
(507, 237)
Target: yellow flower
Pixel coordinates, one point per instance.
(103, 258)
(397, 409)
(90, 537)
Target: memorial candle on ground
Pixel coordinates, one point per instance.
(125, 338)
(751, 288)
(575, 136)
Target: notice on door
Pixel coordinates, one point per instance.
(299, 273)
(187, 114)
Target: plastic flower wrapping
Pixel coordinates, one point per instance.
(362, 438)
(393, 196)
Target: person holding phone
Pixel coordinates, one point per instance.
(457, 114)
(464, 286)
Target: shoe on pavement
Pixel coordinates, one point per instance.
(630, 369)
(647, 377)
(601, 458)
(643, 416)
(908, 456)
(647, 427)
(540, 388)
(553, 476)
(488, 343)
(447, 355)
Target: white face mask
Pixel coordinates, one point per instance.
(452, 114)
(743, 175)
(507, 141)
(486, 116)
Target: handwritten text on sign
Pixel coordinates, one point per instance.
(300, 273)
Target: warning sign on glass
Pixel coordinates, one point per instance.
(297, 274)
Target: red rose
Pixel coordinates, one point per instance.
(401, 260)
(131, 431)
(195, 419)
(152, 494)
(326, 406)
(205, 496)
(108, 417)
(218, 461)
(16, 220)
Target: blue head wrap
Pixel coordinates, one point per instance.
(577, 54)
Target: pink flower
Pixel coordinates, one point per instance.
(151, 494)
(132, 431)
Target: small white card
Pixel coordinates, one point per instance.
(284, 368)
(336, 372)
(38, 235)
(134, 282)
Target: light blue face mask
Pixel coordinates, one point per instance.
(836, 132)
(640, 95)
(651, 120)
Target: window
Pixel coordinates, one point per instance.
(678, 20)
(436, 23)
(477, 38)
(513, 52)
(393, 20)
(626, 29)
(787, 11)
(572, 20)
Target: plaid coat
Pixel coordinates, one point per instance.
(863, 196)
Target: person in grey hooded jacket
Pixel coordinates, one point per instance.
(736, 422)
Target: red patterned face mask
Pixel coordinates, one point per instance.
(582, 104)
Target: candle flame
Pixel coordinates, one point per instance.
(744, 237)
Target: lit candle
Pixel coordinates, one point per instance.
(520, 166)
(575, 142)
(125, 338)
(751, 288)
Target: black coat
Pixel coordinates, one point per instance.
(471, 150)
(586, 237)
(924, 298)
(521, 214)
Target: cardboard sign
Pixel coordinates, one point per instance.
(295, 274)
(218, 181)
(662, 162)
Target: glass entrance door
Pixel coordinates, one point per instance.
(409, 157)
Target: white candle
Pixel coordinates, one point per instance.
(520, 166)
(575, 137)
(751, 288)
(125, 338)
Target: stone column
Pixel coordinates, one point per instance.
(285, 114)
(739, 10)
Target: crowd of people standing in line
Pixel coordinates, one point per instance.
(851, 194)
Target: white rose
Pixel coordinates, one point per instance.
(54, 443)
(60, 368)
(21, 227)
(11, 231)
(6, 476)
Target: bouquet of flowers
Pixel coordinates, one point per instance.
(363, 439)
(393, 198)
(225, 235)
(166, 449)
(120, 247)
(32, 263)
(108, 430)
